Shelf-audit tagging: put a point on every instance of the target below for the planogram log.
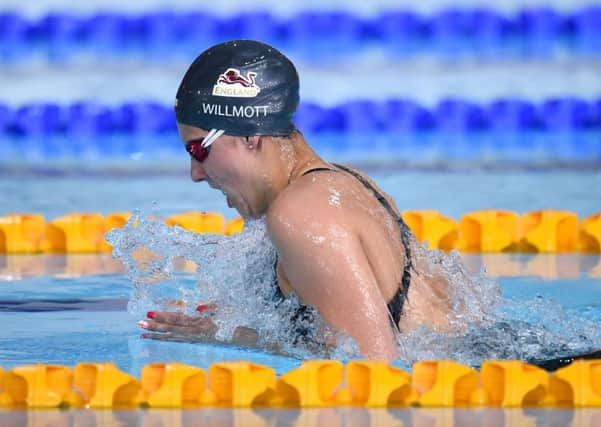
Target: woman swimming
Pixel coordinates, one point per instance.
(342, 246)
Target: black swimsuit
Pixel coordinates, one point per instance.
(304, 316)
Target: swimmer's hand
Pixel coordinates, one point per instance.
(170, 326)
(178, 325)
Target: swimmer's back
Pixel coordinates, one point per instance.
(338, 194)
(330, 190)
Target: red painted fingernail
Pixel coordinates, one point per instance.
(145, 336)
(202, 307)
(150, 314)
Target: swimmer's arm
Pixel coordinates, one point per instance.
(178, 327)
(328, 268)
(172, 326)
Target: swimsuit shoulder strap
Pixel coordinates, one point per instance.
(395, 306)
(317, 170)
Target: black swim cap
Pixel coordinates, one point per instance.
(243, 87)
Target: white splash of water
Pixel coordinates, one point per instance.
(488, 326)
(237, 273)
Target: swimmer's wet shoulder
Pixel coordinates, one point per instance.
(333, 192)
(335, 248)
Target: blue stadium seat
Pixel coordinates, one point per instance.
(62, 35)
(15, 37)
(541, 31)
(512, 114)
(88, 119)
(400, 31)
(38, 120)
(587, 30)
(456, 115)
(566, 114)
(256, 26)
(406, 116)
(359, 116)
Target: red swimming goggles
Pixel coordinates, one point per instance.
(199, 148)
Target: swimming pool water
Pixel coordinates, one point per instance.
(67, 321)
(318, 417)
(80, 319)
(72, 309)
(69, 309)
(452, 193)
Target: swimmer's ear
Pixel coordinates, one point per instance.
(253, 142)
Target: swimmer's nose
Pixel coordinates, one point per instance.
(197, 172)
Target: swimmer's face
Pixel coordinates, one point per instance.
(229, 168)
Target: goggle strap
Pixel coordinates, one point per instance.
(212, 137)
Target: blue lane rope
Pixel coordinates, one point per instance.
(451, 115)
(163, 35)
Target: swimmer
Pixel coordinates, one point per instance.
(342, 245)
